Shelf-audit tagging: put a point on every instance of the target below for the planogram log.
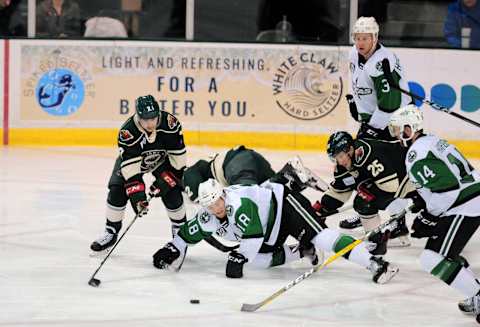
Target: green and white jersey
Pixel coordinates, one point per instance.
(375, 99)
(444, 178)
(253, 218)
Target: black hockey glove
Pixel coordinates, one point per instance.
(352, 106)
(235, 265)
(163, 183)
(166, 256)
(136, 193)
(369, 132)
(424, 225)
(418, 202)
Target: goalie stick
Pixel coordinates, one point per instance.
(388, 75)
(254, 307)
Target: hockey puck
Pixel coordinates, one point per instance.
(195, 301)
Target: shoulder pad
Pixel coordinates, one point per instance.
(362, 152)
(129, 133)
(168, 122)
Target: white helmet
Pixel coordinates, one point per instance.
(209, 192)
(366, 25)
(411, 116)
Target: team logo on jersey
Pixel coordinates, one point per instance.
(412, 155)
(125, 135)
(307, 86)
(378, 66)
(152, 159)
(229, 210)
(171, 121)
(204, 217)
(352, 67)
(359, 90)
(359, 154)
(441, 145)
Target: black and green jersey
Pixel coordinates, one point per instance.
(238, 165)
(379, 161)
(142, 152)
(446, 180)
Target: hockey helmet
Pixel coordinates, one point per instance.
(411, 116)
(366, 25)
(209, 192)
(338, 142)
(147, 107)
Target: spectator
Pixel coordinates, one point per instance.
(13, 17)
(463, 14)
(58, 18)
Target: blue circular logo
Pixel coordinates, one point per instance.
(60, 92)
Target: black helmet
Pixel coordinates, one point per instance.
(147, 107)
(338, 142)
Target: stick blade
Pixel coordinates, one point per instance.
(94, 282)
(251, 307)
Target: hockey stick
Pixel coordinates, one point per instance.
(436, 106)
(219, 245)
(254, 307)
(96, 282)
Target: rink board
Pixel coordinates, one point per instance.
(270, 96)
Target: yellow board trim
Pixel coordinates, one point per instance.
(268, 140)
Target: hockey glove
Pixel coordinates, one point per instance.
(136, 192)
(162, 184)
(418, 202)
(235, 265)
(363, 191)
(424, 225)
(352, 106)
(166, 256)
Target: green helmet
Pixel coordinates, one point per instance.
(338, 142)
(147, 107)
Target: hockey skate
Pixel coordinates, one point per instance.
(311, 254)
(399, 235)
(382, 270)
(467, 306)
(106, 240)
(476, 307)
(304, 176)
(351, 222)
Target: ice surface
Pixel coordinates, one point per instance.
(52, 207)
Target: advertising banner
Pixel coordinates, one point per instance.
(450, 78)
(207, 86)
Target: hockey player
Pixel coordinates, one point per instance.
(261, 218)
(373, 100)
(374, 168)
(450, 187)
(247, 167)
(234, 166)
(149, 141)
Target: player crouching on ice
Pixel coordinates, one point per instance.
(261, 218)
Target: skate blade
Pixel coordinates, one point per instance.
(98, 254)
(399, 242)
(388, 275)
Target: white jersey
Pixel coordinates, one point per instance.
(445, 179)
(375, 99)
(253, 218)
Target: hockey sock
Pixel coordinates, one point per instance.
(332, 240)
(451, 272)
(113, 227)
(370, 222)
(278, 257)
